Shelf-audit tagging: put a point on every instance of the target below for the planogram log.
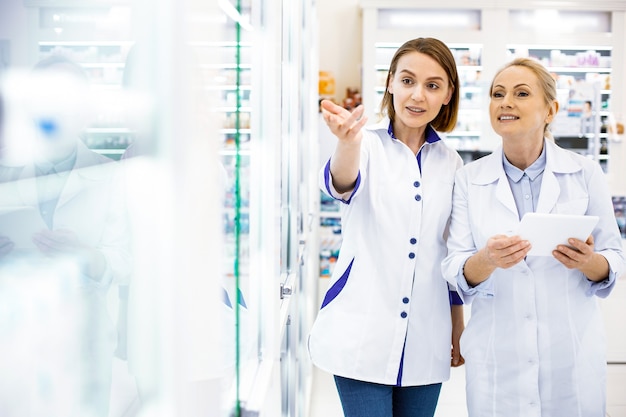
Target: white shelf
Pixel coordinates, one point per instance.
(233, 131)
(580, 70)
(233, 152)
(109, 130)
(85, 43)
(227, 87)
(233, 109)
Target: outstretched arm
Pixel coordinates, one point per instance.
(346, 126)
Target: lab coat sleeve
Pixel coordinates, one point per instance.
(455, 298)
(115, 241)
(326, 184)
(101, 284)
(326, 178)
(461, 245)
(607, 238)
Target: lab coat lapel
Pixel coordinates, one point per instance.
(27, 186)
(557, 161)
(504, 194)
(549, 194)
(493, 173)
(87, 170)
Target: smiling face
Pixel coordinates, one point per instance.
(419, 86)
(519, 109)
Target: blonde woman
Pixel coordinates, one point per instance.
(534, 345)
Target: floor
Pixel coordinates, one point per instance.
(325, 402)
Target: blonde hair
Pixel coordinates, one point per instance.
(545, 78)
(437, 50)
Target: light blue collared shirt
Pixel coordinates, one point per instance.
(526, 184)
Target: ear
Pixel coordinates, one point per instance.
(449, 97)
(552, 111)
(390, 84)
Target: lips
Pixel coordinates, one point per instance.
(416, 109)
(507, 117)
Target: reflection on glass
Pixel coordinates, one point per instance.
(64, 242)
(113, 288)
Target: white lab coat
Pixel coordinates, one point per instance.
(91, 205)
(534, 345)
(387, 283)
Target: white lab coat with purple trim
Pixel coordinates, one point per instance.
(534, 344)
(387, 294)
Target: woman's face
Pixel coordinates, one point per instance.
(518, 110)
(420, 86)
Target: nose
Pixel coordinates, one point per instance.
(506, 101)
(417, 93)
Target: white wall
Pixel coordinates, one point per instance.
(14, 27)
(340, 43)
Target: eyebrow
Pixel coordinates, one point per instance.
(413, 74)
(515, 86)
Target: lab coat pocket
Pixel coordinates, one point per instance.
(476, 344)
(336, 288)
(575, 206)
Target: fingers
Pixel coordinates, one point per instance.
(576, 255)
(456, 358)
(6, 245)
(57, 240)
(504, 251)
(343, 123)
(333, 108)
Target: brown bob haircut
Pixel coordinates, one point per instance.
(437, 50)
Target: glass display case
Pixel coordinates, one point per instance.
(219, 99)
(266, 102)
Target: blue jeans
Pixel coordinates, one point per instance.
(366, 399)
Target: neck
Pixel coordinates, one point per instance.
(414, 138)
(521, 155)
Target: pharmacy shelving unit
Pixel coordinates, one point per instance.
(583, 73)
(483, 38)
(76, 31)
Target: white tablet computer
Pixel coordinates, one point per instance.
(545, 231)
(19, 224)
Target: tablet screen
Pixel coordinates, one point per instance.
(19, 224)
(545, 231)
